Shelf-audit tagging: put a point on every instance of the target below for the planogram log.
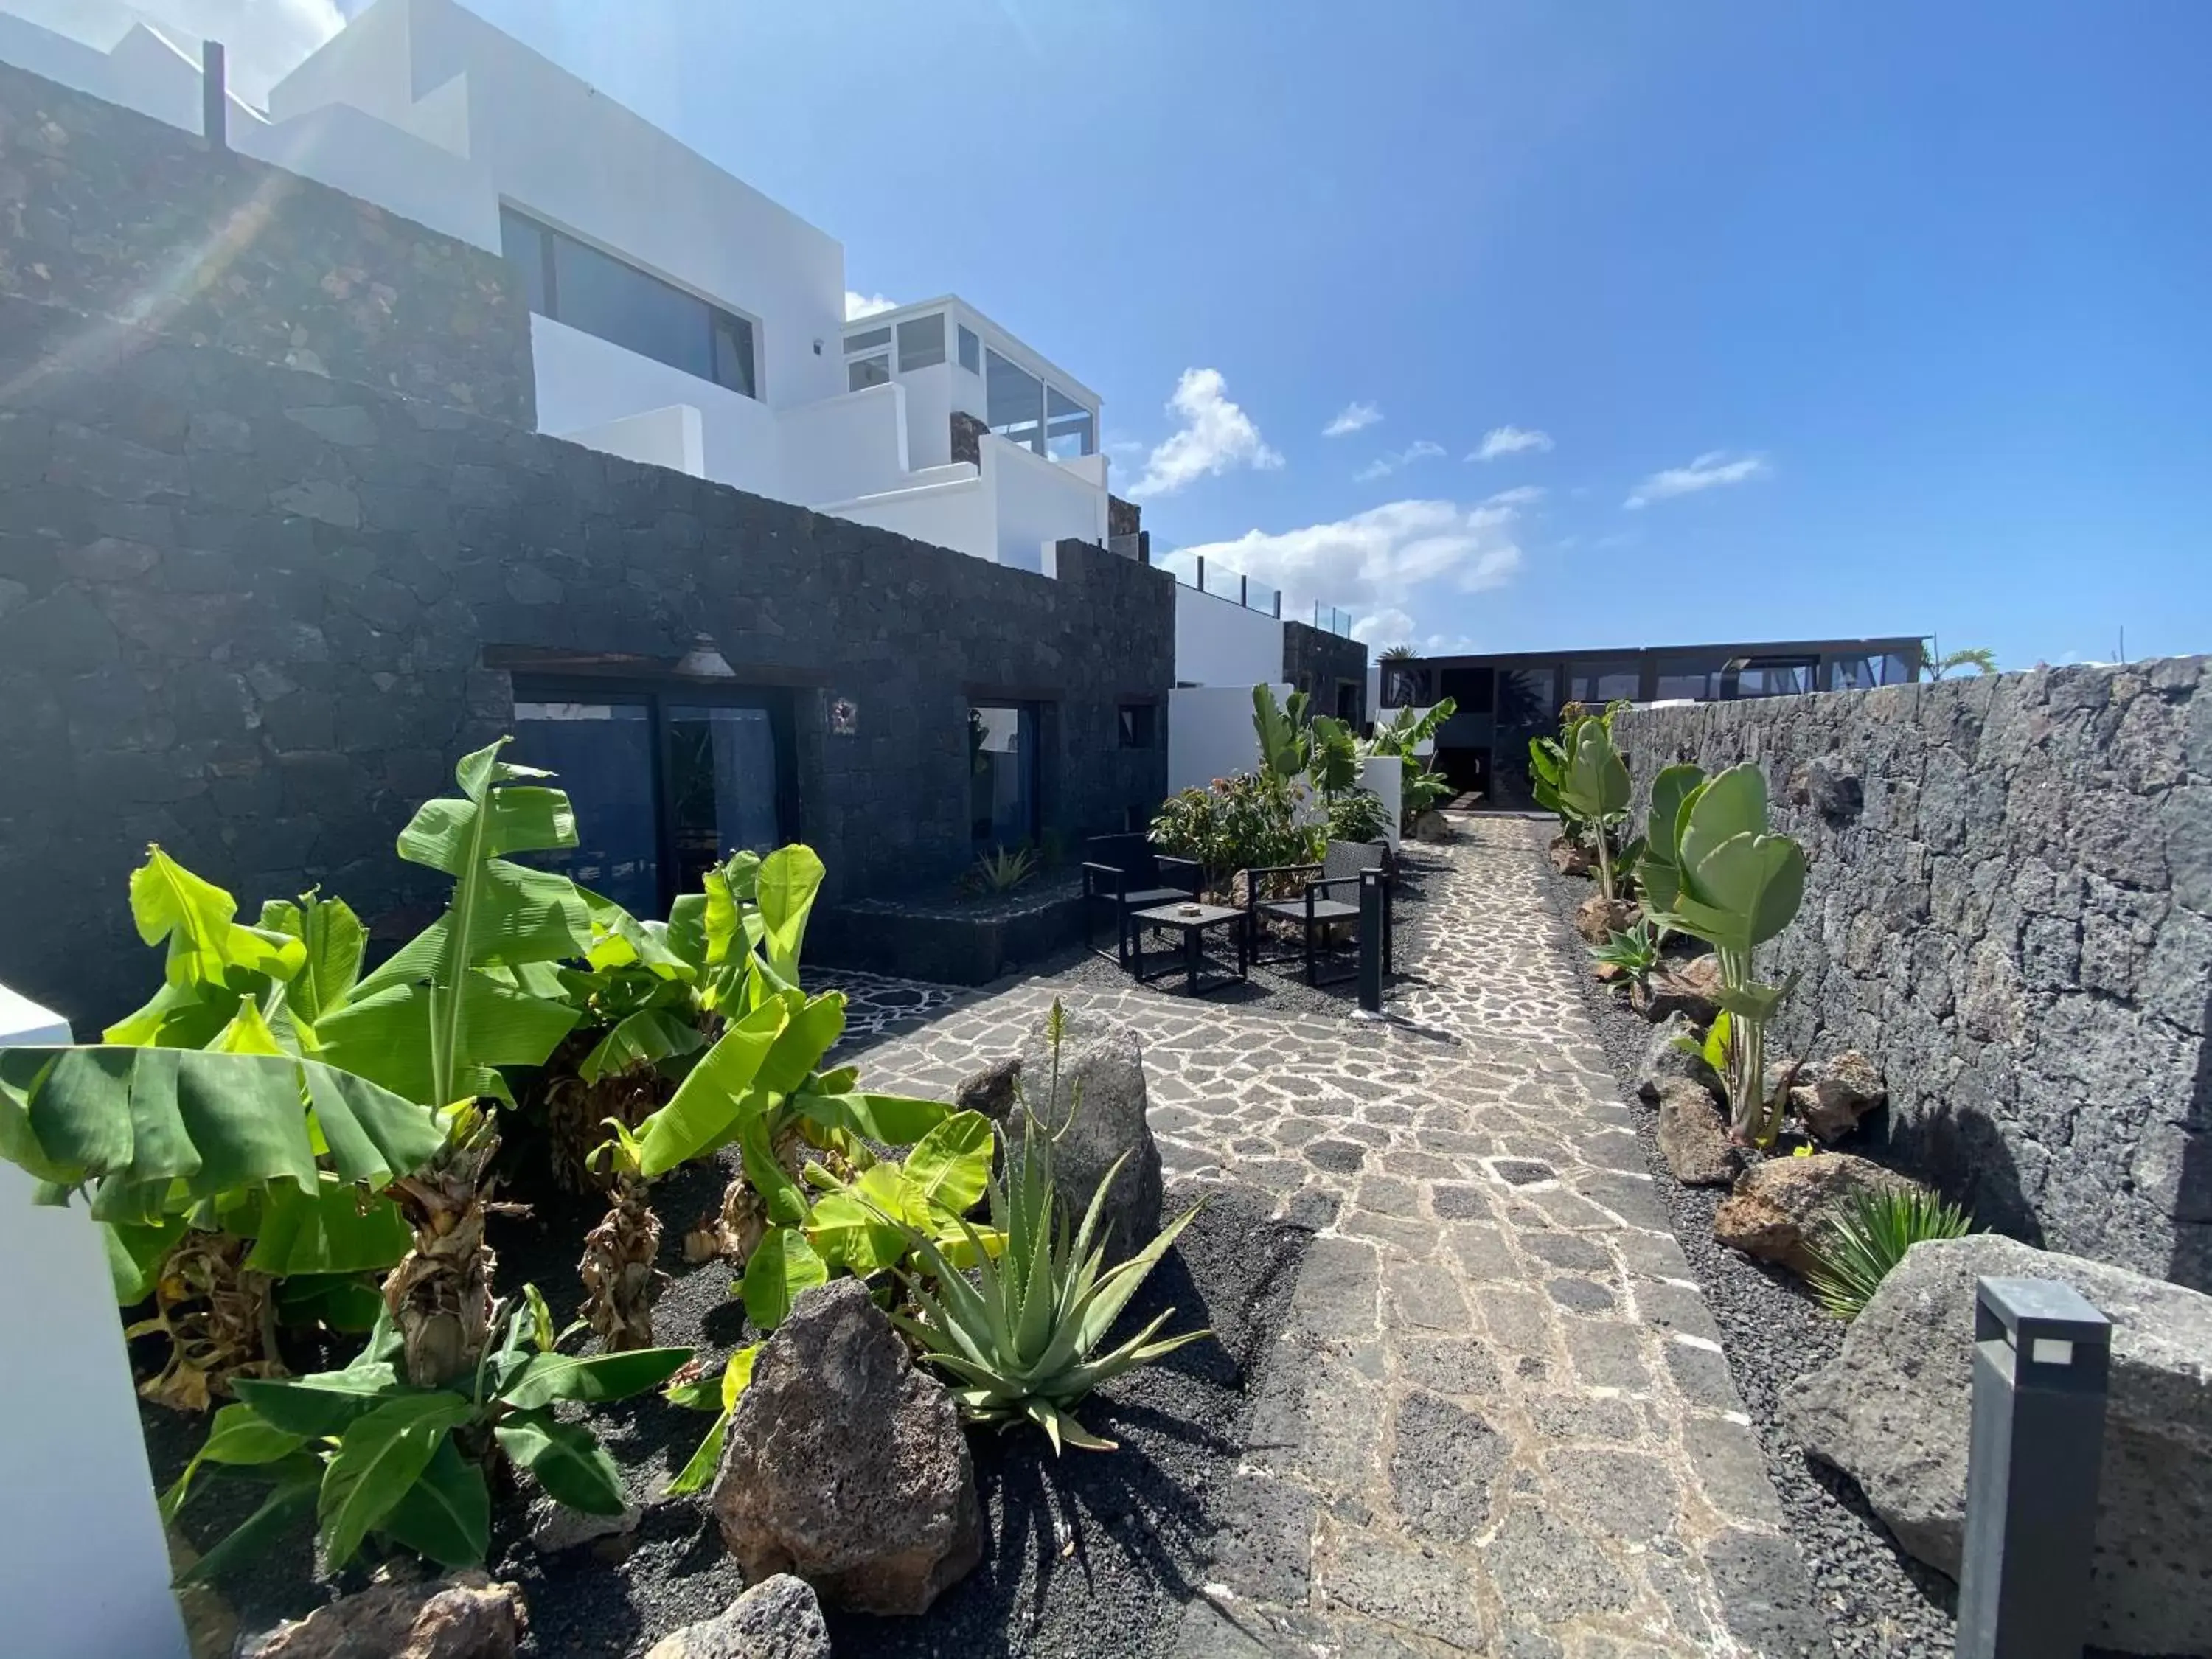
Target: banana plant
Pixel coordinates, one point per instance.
(476, 991)
(225, 1269)
(1285, 748)
(1593, 787)
(1736, 886)
(373, 1456)
(1406, 730)
(1658, 869)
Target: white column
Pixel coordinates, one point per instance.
(84, 1569)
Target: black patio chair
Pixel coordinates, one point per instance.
(1326, 896)
(1125, 874)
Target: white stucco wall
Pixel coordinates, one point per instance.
(83, 1566)
(954, 510)
(1386, 775)
(670, 437)
(1219, 642)
(846, 447)
(1040, 502)
(1210, 733)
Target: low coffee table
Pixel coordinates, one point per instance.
(1192, 921)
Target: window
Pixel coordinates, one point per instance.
(575, 283)
(666, 781)
(1671, 684)
(1861, 673)
(1768, 676)
(869, 341)
(921, 343)
(1069, 429)
(971, 351)
(1596, 684)
(1013, 403)
(1002, 790)
(1140, 726)
(864, 372)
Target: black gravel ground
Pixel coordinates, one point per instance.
(1092, 1554)
(1875, 1599)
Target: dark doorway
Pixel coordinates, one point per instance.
(1002, 754)
(666, 781)
(1468, 769)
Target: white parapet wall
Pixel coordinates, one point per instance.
(1219, 642)
(83, 1566)
(1386, 775)
(1210, 733)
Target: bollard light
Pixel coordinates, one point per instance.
(1374, 937)
(2042, 1356)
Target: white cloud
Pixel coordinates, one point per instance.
(1383, 465)
(1709, 471)
(1215, 436)
(1374, 563)
(265, 40)
(1509, 441)
(858, 306)
(1519, 496)
(1352, 417)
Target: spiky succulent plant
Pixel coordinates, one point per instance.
(1020, 1340)
(1871, 1237)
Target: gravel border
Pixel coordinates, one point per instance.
(1875, 1599)
(1096, 1553)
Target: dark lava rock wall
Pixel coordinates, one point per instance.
(2010, 910)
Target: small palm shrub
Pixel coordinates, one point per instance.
(1020, 1340)
(1871, 1237)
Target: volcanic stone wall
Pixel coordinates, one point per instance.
(2010, 910)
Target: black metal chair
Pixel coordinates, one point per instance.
(1316, 908)
(1126, 874)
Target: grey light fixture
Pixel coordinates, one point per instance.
(704, 662)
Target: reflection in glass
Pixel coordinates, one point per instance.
(602, 753)
(1596, 684)
(971, 351)
(721, 787)
(1002, 756)
(618, 302)
(921, 342)
(1768, 676)
(865, 372)
(1069, 429)
(1013, 403)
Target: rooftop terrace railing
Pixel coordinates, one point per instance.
(1192, 570)
(1330, 620)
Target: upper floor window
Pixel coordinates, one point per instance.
(575, 283)
(1595, 684)
(921, 342)
(1023, 409)
(972, 350)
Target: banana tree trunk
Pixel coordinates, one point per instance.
(219, 1318)
(440, 1294)
(621, 1283)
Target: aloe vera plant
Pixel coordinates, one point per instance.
(1736, 885)
(1021, 1341)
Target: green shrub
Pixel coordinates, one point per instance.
(1245, 822)
(1358, 815)
(1871, 1237)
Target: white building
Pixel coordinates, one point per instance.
(680, 317)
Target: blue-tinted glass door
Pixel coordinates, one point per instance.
(602, 750)
(1002, 785)
(723, 778)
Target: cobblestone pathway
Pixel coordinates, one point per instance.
(1500, 1421)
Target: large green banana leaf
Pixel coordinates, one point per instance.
(154, 1131)
(1595, 785)
(1659, 871)
(437, 1019)
(213, 959)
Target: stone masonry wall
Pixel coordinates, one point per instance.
(114, 214)
(247, 611)
(2009, 908)
(1315, 660)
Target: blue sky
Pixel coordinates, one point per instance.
(1793, 319)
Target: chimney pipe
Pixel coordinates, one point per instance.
(214, 102)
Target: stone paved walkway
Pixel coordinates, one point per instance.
(1501, 1421)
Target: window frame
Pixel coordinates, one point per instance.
(1148, 728)
(1029, 749)
(550, 236)
(971, 349)
(657, 697)
(922, 359)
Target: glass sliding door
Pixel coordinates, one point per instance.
(602, 750)
(722, 786)
(1002, 742)
(666, 781)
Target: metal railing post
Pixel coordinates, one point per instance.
(2042, 1357)
(215, 99)
(1373, 920)
(1244, 591)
